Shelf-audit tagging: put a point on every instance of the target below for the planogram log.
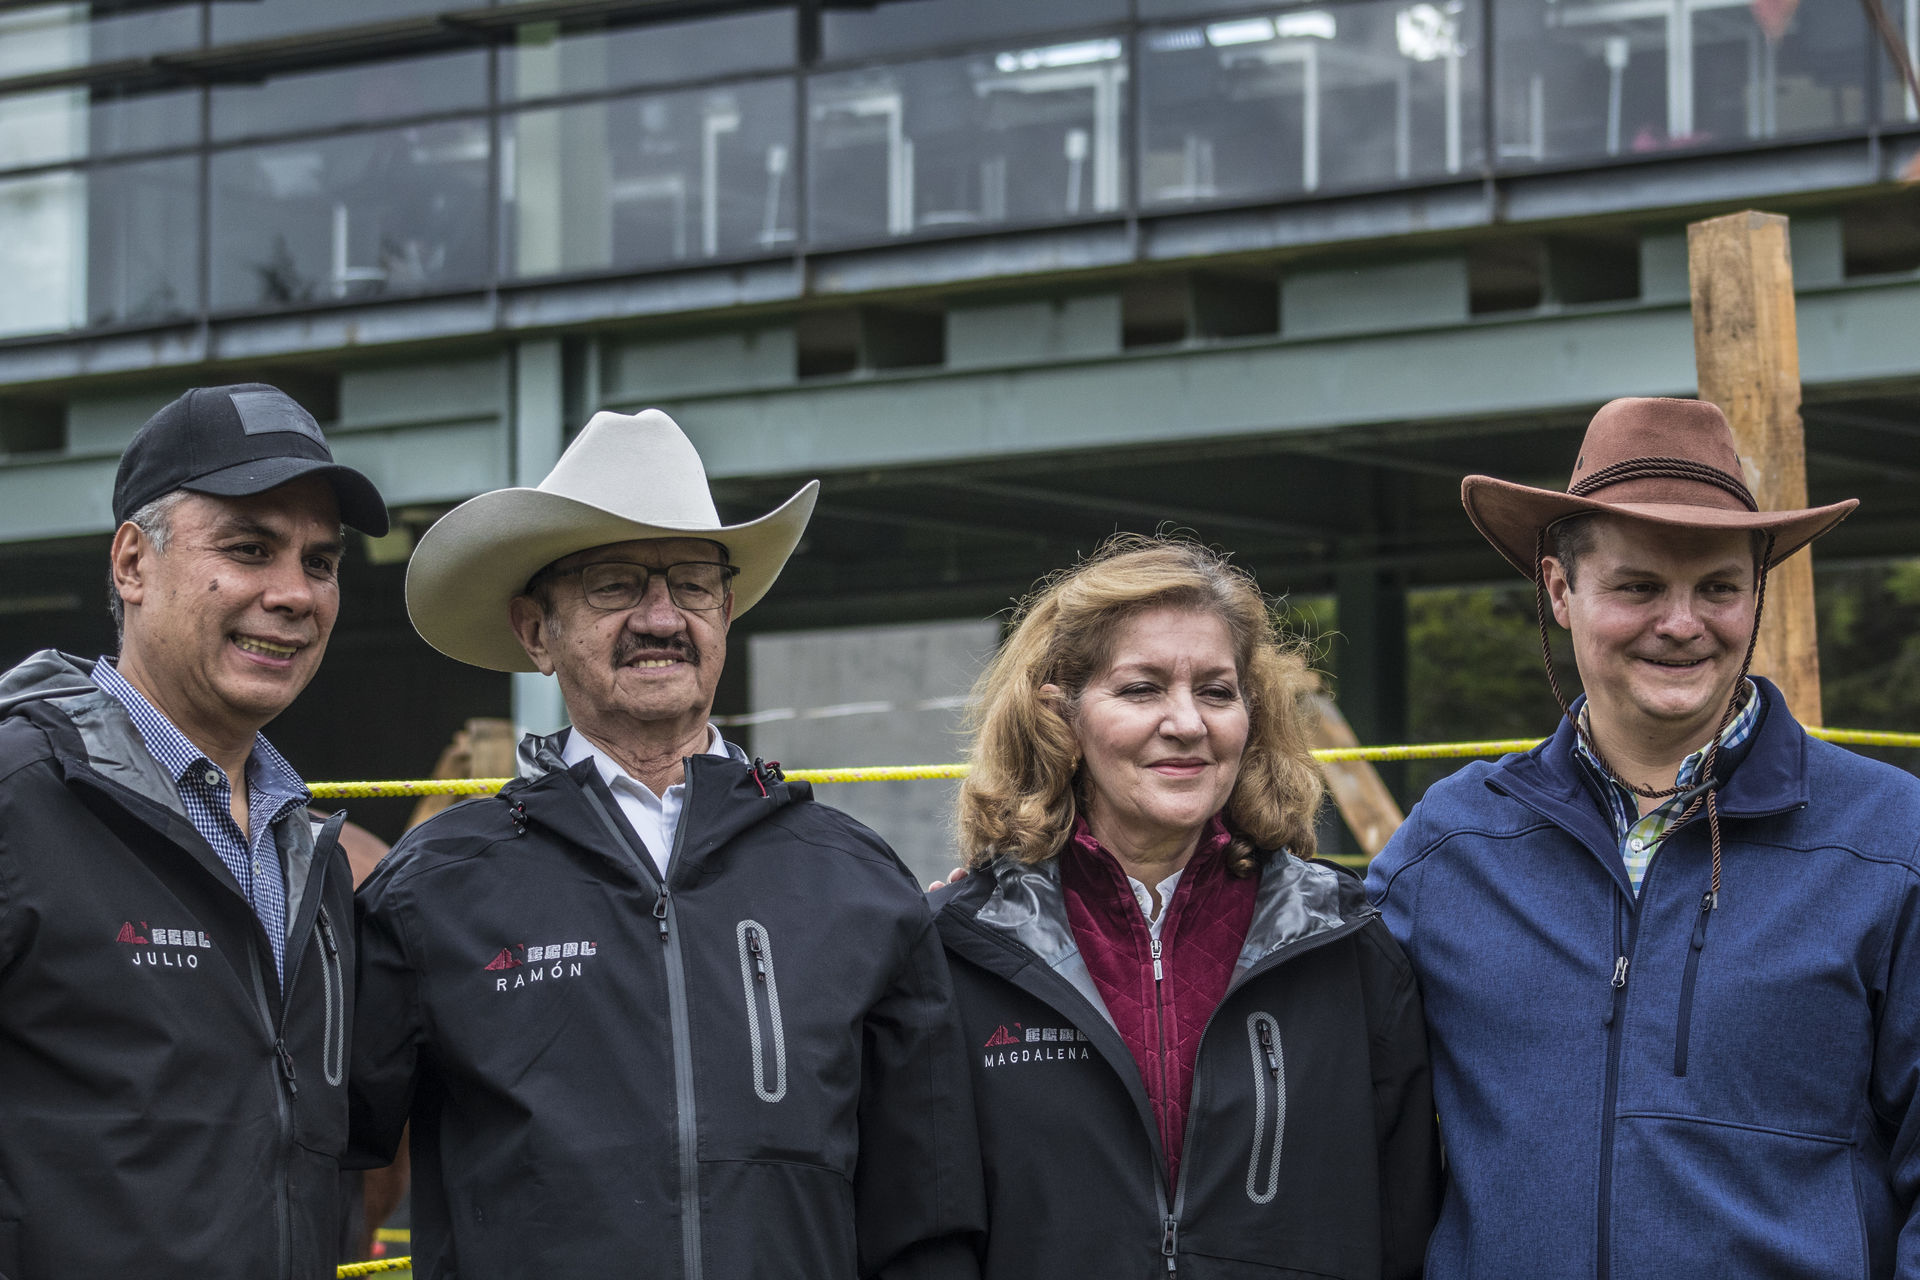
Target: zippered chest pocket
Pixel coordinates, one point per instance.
(333, 1051)
(760, 985)
(1269, 1107)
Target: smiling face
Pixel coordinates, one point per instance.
(226, 626)
(1660, 620)
(643, 676)
(1161, 733)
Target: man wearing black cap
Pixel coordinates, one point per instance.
(175, 932)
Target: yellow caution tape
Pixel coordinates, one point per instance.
(928, 772)
(369, 1268)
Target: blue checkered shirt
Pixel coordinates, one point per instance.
(1640, 838)
(273, 788)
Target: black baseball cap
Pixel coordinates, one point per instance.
(233, 442)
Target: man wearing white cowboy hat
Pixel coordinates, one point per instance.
(1670, 958)
(650, 1010)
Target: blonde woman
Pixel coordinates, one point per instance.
(1194, 1052)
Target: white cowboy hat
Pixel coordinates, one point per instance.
(624, 477)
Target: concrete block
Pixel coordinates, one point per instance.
(1035, 329)
(647, 371)
(103, 423)
(872, 695)
(1663, 267)
(1819, 257)
(1373, 297)
(467, 389)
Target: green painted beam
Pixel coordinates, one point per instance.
(1488, 368)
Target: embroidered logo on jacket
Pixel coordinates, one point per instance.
(1034, 1044)
(168, 948)
(553, 962)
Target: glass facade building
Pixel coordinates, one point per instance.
(162, 163)
(1006, 276)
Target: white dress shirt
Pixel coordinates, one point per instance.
(1155, 919)
(655, 819)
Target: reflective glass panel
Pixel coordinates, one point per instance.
(1309, 99)
(664, 178)
(109, 245)
(51, 37)
(861, 31)
(351, 95)
(58, 125)
(546, 62)
(398, 211)
(143, 241)
(1016, 134)
(262, 19)
(1581, 78)
(1898, 106)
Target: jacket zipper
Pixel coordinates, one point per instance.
(1683, 1032)
(1269, 1073)
(686, 1121)
(1169, 1223)
(1615, 1011)
(285, 1090)
(1160, 1030)
(1170, 1236)
(764, 1027)
(333, 1052)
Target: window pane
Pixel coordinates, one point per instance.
(43, 220)
(399, 211)
(1898, 106)
(55, 36)
(260, 19)
(1016, 135)
(900, 25)
(351, 95)
(546, 62)
(1309, 100)
(664, 178)
(1617, 77)
(61, 124)
(143, 242)
(105, 246)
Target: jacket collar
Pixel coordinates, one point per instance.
(1767, 776)
(1297, 901)
(96, 745)
(724, 797)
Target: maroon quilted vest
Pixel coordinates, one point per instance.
(1200, 941)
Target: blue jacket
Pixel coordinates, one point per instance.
(1639, 1088)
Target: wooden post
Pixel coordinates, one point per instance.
(1363, 800)
(1746, 349)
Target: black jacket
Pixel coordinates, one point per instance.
(164, 1112)
(753, 1072)
(1310, 1145)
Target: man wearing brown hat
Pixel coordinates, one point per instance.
(175, 932)
(1670, 958)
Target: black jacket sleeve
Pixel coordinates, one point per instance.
(919, 1195)
(1404, 1122)
(387, 1029)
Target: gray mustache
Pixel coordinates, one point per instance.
(631, 645)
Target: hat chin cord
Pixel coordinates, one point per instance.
(1704, 795)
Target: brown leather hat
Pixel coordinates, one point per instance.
(1668, 462)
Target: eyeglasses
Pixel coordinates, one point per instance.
(612, 585)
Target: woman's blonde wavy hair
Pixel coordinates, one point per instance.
(1020, 796)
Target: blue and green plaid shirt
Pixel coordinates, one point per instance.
(1640, 838)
